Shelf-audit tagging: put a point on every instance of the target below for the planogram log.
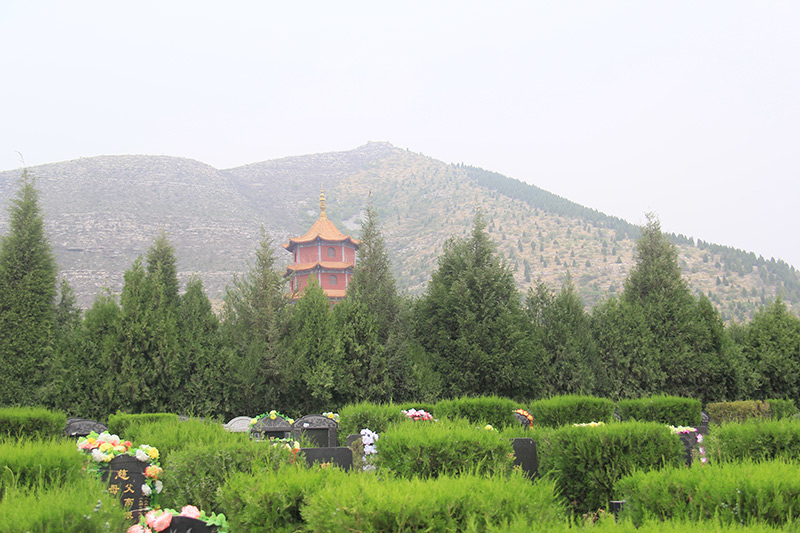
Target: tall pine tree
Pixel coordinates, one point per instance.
(27, 300)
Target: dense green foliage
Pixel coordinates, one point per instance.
(28, 464)
(571, 409)
(448, 503)
(590, 460)
(155, 348)
(27, 294)
(755, 440)
(740, 493)
(670, 410)
(428, 449)
(494, 410)
(32, 422)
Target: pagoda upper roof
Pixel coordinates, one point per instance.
(326, 265)
(322, 229)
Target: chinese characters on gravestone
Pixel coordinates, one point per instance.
(125, 477)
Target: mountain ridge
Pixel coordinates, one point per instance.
(103, 212)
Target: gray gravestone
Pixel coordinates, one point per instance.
(321, 430)
(267, 428)
(240, 424)
(125, 477)
(339, 456)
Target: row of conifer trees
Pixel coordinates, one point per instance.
(155, 348)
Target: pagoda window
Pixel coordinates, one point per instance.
(333, 280)
(331, 252)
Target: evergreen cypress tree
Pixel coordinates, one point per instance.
(372, 283)
(313, 377)
(27, 300)
(253, 318)
(471, 323)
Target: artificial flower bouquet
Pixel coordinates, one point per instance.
(161, 519)
(104, 446)
(272, 415)
(589, 425)
(332, 416)
(417, 414)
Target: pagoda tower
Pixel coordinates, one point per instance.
(324, 253)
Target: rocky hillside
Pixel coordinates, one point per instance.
(103, 212)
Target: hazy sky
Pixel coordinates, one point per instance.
(689, 109)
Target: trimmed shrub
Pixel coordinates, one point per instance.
(781, 409)
(195, 473)
(723, 412)
(571, 409)
(607, 523)
(31, 422)
(494, 410)
(170, 435)
(468, 502)
(588, 461)
(272, 501)
(28, 464)
(82, 506)
(121, 423)
(670, 410)
(755, 439)
(429, 449)
(377, 417)
(734, 493)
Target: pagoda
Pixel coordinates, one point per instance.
(324, 253)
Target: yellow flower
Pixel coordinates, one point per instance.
(104, 447)
(488, 427)
(273, 416)
(152, 453)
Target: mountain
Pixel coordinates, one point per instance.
(103, 212)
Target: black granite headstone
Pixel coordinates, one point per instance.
(266, 428)
(525, 456)
(82, 427)
(125, 477)
(689, 441)
(184, 524)
(320, 430)
(339, 456)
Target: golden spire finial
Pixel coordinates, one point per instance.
(322, 203)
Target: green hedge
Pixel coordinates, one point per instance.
(494, 410)
(121, 423)
(607, 524)
(28, 464)
(734, 493)
(571, 409)
(272, 501)
(754, 439)
(82, 506)
(464, 503)
(194, 473)
(376, 417)
(588, 461)
(670, 410)
(429, 449)
(170, 435)
(31, 422)
(723, 412)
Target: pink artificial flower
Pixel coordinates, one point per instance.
(703, 460)
(190, 511)
(162, 521)
(139, 529)
(699, 438)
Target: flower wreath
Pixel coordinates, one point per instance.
(527, 415)
(160, 519)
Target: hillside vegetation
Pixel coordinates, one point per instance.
(103, 212)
